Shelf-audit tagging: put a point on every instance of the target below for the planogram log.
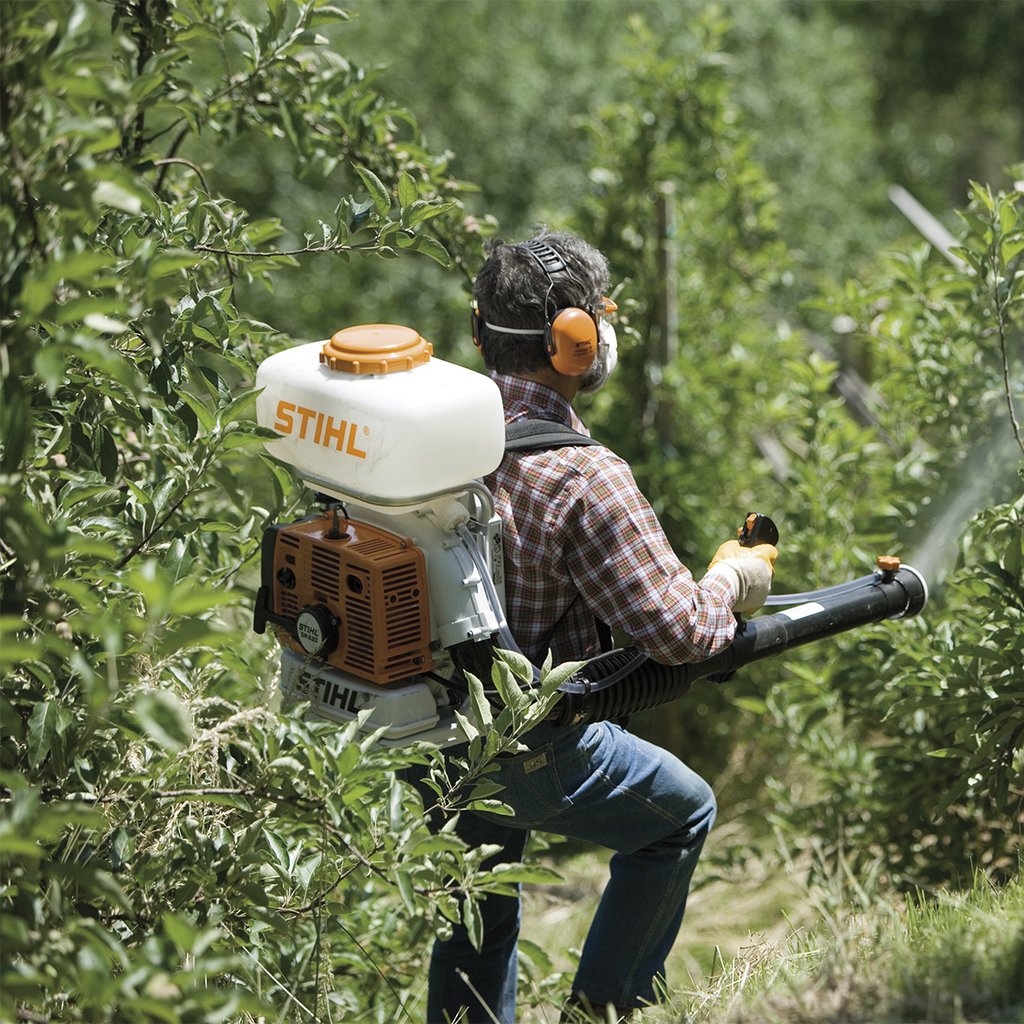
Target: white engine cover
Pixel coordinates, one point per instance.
(406, 714)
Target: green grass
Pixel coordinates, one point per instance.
(942, 957)
(763, 946)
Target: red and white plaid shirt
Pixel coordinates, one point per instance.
(582, 541)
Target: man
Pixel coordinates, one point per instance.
(583, 546)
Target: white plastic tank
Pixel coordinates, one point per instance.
(373, 415)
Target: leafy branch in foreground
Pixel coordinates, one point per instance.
(371, 215)
(524, 703)
(171, 848)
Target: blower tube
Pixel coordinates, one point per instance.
(624, 682)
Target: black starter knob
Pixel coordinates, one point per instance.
(316, 629)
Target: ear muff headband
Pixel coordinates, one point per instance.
(570, 335)
(549, 260)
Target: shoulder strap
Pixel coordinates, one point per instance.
(543, 435)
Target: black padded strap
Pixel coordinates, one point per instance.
(543, 435)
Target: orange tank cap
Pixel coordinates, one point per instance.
(376, 348)
(888, 563)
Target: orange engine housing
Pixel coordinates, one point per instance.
(372, 583)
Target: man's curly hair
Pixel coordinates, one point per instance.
(513, 290)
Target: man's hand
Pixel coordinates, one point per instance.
(734, 549)
(750, 570)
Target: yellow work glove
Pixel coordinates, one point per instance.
(750, 570)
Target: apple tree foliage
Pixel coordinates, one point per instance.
(172, 847)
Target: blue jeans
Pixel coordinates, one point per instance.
(600, 784)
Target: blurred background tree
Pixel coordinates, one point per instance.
(832, 96)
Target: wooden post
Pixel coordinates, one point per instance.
(666, 310)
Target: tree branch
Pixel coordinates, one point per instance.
(165, 162)
(170, 157)
(312, 249)
(188, 163)
(144, 543)
(1006, 378)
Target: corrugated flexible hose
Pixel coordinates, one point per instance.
(624, 682)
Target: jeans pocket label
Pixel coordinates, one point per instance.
(535, 763)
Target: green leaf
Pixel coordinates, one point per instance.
(474, 923)
(437, 844)
(231, 412)
(404, 882)
(485, 789)
(493, 806)
(104, 452)
(558, 675)
(163, 719)
(983, 194)
(429, 247)
(378, 192)
(508, 688)
(407, 191)
(47, 720)
(527, 874)
(180, 932)
(49, 366)
(1007, 213)
(203, 414)
(469, 730)
(521, 666)
(481, 706)
(170, 261)
(110, 194)
(104, 324)
(326, 15)
(535, 954)
(202, 334)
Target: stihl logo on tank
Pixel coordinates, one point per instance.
(319, 428)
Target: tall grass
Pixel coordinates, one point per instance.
(946, 956)
(765, 946)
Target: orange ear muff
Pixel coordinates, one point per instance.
(475, 323)
(572, 341)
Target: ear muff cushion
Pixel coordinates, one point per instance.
(572, 341)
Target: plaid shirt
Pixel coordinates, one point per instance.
(582, 541)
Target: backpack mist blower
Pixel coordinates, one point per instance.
(386, 597)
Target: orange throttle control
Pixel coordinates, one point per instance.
(888, 566)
